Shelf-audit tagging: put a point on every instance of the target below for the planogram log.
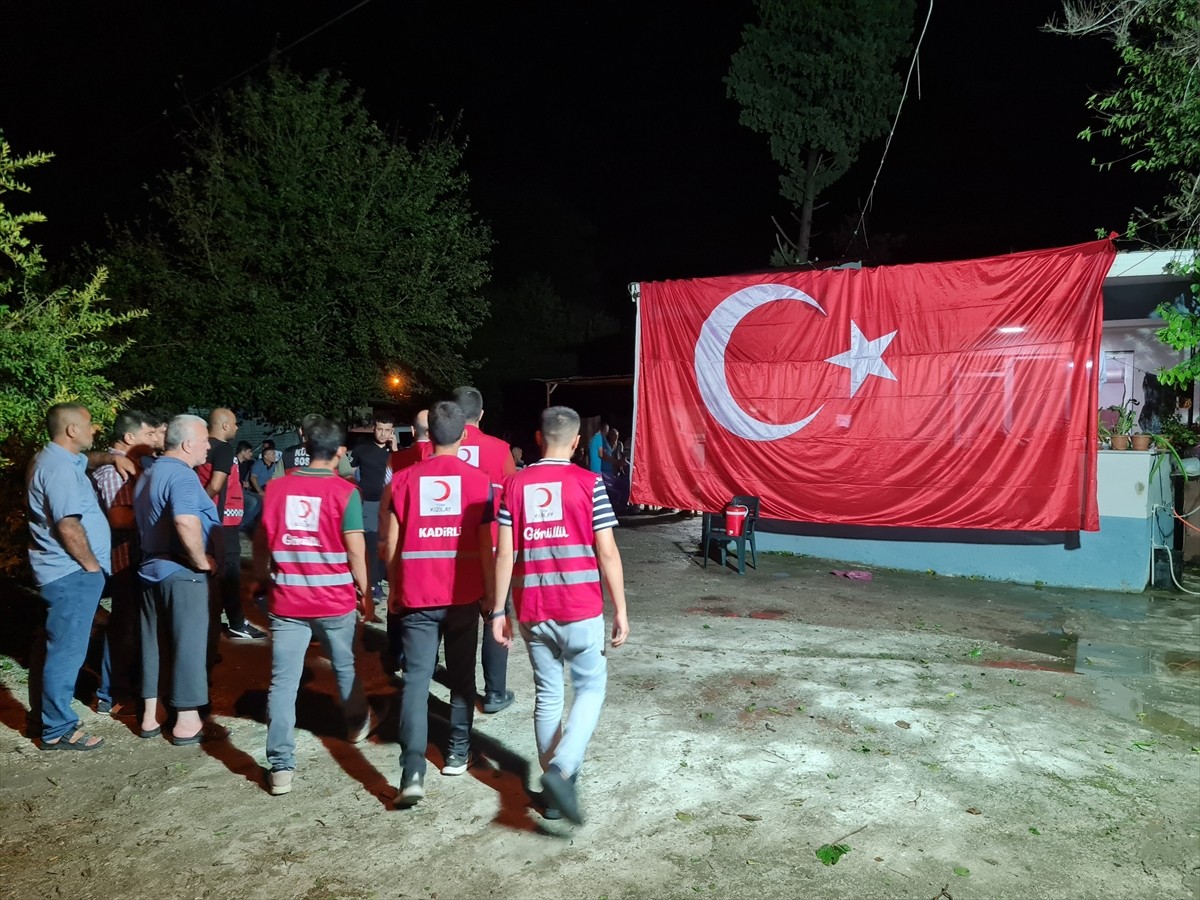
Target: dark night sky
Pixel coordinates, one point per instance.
(609, 114)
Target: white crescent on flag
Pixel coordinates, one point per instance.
(710, 361)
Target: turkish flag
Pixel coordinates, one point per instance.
(945, 395)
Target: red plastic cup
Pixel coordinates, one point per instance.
(735, 520)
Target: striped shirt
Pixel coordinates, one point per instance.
(602, 511)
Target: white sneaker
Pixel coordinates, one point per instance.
(281, 782)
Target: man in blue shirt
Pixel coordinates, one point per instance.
(69, 550)
(598, 451)
(175, 518)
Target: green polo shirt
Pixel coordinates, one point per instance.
(352, 517)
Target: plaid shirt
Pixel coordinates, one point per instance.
(115, 493)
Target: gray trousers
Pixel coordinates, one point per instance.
(175, 637)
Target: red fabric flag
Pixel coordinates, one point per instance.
(949, 395)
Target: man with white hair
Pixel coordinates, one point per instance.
(177, 523)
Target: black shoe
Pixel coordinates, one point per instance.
(115, 708)
(247, 632)
(550, 812)
(560, 795)
(456, 764)
(412, 789)
(493, 703)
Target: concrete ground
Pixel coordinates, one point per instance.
(964, 739)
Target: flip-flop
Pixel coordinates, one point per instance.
(205, 735)
(152, 733)
(81, 744)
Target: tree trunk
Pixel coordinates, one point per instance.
(806, 210)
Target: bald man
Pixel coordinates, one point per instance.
(222, 481)
(69, 550)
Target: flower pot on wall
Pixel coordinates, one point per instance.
(1120, 441)
(1140, 441)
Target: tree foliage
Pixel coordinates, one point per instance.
(56, 344)
(302, 254)
(819, 80)
(1154, 113)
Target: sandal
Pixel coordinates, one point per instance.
(208, 733)
(80, 743)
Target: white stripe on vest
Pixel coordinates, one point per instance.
(558, 551)
(286, 579)
(550, 579)
(307, 556)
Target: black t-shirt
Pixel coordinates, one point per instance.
(295, 458)
(370, 459)
(221, 457)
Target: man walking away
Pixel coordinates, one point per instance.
(555, 545)
(132, 436)
(492, 456)
(69, 550)
(222, 481)
(310, 544)
(442, 565)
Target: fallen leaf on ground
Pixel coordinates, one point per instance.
(829, 854)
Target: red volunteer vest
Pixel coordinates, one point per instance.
(410, 456)
(302, 516)
(235, 498)
(555, 574)
(487, 453)
(491, 456)
(440, 504)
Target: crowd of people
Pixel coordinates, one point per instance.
(450, 531)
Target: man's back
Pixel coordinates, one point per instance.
(489, 454)
(440, 504)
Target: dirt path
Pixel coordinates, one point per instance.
(749, 722)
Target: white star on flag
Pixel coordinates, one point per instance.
(864, 358)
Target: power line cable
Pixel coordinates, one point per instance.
(911, 67)
(246, 71)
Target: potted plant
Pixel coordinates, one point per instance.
(1176, 439)
(1122, 426)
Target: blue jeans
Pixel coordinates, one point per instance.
(422, 630)
(71, 603)
(579, 645)
(289, 641)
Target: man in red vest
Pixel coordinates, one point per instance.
(222, 481)
(419, 450)
(310, 544)
(492, 456)
(555, 545)
(441, 571)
